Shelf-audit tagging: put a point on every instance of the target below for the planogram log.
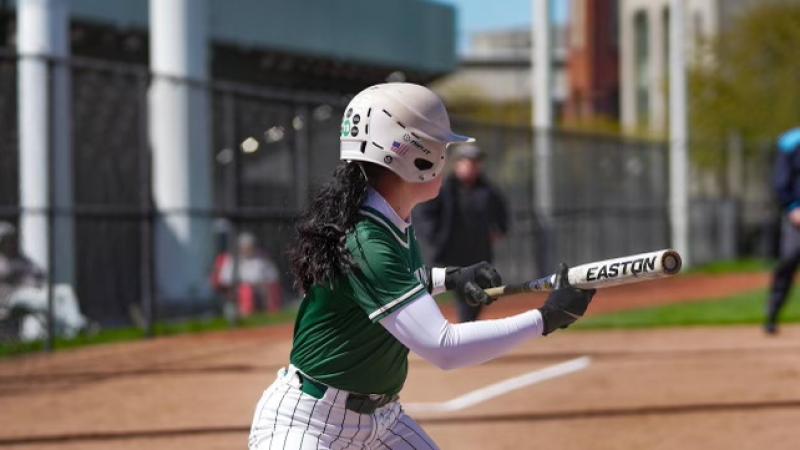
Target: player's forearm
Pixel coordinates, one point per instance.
(421, 327)
(472, 343)
(437, 277)
(784, 174)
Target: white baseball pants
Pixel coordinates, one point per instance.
(287, 418)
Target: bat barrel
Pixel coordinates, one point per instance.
(607, 273)
(626, 270)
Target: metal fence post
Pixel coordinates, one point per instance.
(301, 159)
(51, 328)
(233, 197)
(678, 133)
(147, 259)
(542, 115)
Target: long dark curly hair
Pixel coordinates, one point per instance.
(320, 252)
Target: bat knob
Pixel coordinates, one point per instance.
(671, 261)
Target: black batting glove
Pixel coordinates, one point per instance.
(566, 303)
(470, 282)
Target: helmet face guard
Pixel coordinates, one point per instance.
(400, 126)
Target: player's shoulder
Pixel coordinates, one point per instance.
(789, 142)
(375, 230)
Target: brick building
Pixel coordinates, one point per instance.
(593, 61)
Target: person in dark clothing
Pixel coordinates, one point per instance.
(461, 225)
(787, 187)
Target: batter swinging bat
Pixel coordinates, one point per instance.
(600, 274)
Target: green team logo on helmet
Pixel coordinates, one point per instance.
(345, 127)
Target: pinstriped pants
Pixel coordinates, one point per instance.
(287, 418)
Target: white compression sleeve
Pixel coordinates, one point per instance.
(421, 327)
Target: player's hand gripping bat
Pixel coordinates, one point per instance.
(600, 274)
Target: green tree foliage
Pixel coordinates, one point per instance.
(466, 101)
(747, 81)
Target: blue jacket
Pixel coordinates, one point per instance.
(787, 170)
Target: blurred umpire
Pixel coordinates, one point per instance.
(461, 225)
(787, 187)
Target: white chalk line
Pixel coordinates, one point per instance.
(500, 388)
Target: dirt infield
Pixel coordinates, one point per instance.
(687, 388)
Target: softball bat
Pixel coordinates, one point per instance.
(606, 273)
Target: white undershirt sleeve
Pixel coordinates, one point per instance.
(421, 327)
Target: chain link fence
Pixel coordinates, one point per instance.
(609, 197)
(610, 194)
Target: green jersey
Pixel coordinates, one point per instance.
(337, 338)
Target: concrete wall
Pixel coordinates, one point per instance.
(498, 68)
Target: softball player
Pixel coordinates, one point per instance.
(368, 296)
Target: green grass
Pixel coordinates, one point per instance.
(745, 308)
(109, 336)
(733, 266)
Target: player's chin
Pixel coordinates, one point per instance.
(430, 189)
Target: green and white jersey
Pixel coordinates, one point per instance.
(337, 338)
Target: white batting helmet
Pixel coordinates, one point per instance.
(401, 126)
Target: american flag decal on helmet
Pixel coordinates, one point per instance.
(400, 149)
